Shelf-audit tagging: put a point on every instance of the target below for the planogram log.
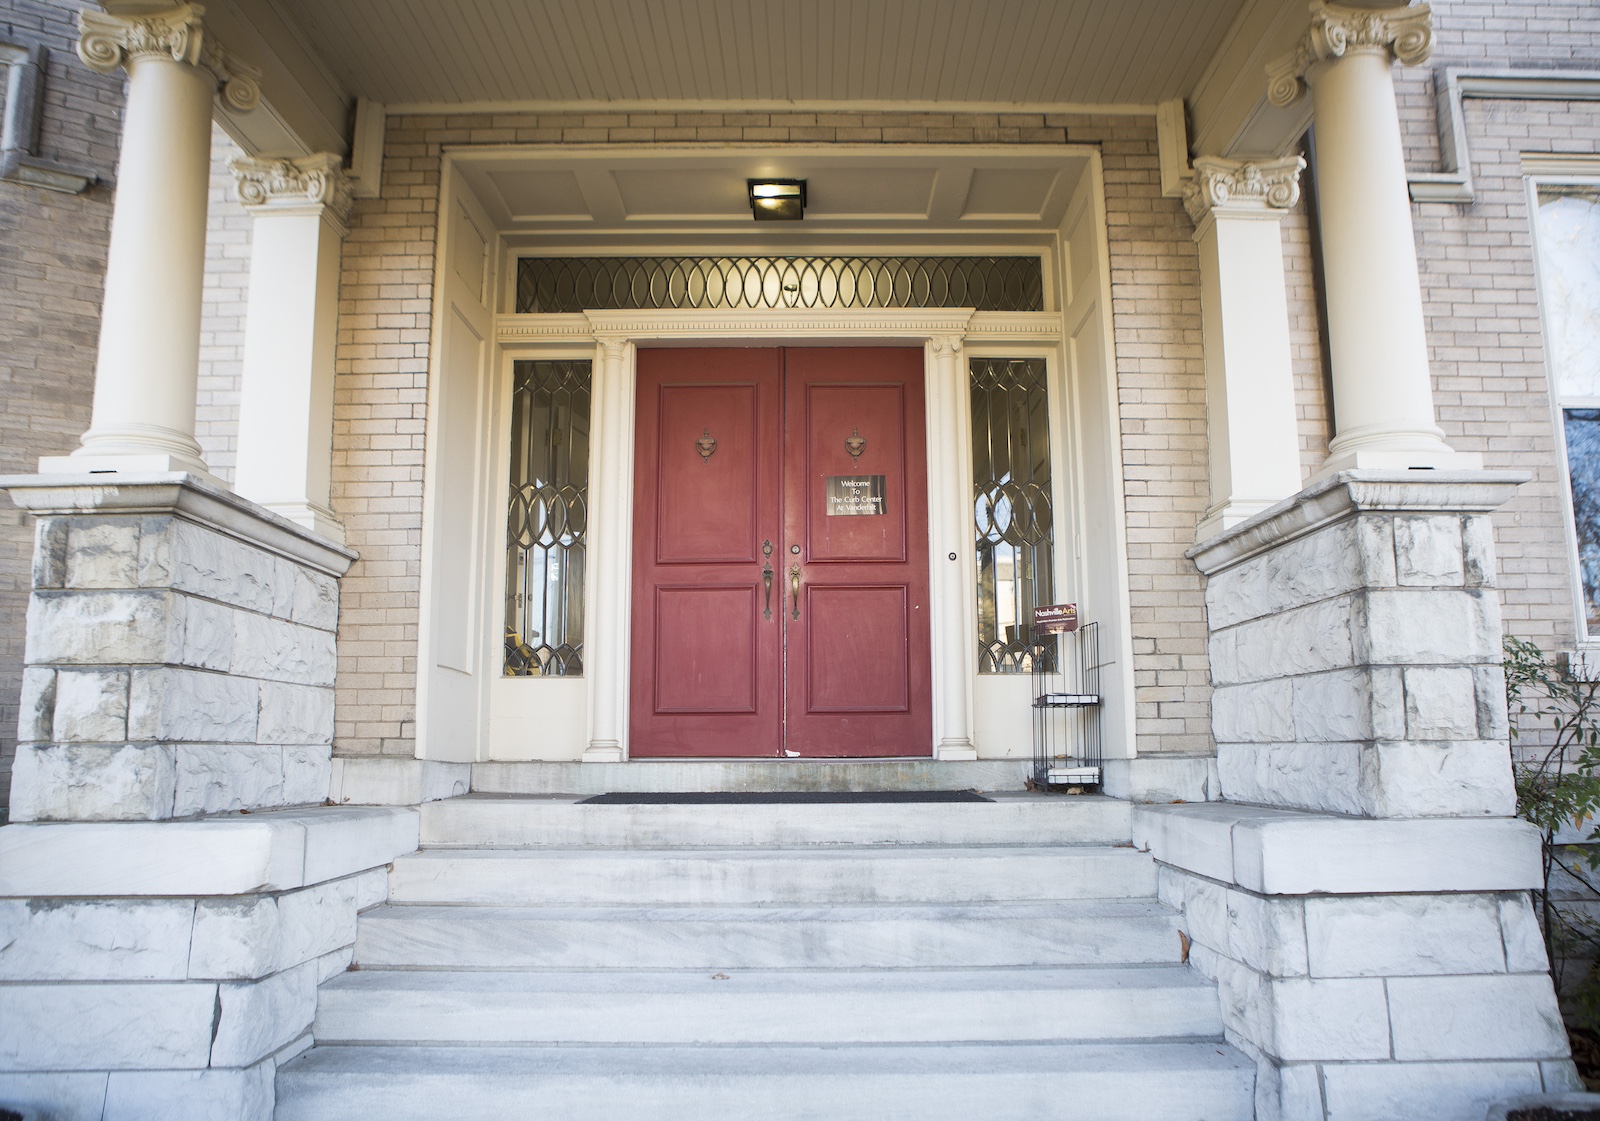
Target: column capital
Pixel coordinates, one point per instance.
(1224, 186)
(106, 42)
(948, 343)
(1405, 34)
(309, 183)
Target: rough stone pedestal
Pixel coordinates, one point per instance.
(160, 948)
(1361, 894)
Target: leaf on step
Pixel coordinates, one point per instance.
(1183, 940)
(719, 976)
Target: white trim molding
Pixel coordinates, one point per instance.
(1452, 85)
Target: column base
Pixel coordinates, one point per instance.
(955, 751)
(154, 463)
(1379, 460)
(600, 752)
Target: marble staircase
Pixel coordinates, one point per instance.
(1005, 959)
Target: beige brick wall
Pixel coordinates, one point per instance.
(227, 286)
(382, 370)
(52, 261)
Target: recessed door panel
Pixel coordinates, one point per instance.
(857, 659)
(780, 599)
(707, 488)
(705, 660)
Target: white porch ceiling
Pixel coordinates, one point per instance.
(425, 52)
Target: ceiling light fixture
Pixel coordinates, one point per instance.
(781, 200)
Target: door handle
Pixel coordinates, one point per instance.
(794, 588)
(766, 582)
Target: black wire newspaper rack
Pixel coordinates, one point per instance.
(1066, 710)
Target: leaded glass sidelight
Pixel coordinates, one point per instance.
(1012, 510)
(547, 519)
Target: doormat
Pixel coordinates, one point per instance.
(782, 797)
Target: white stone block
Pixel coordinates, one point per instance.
(307, 773)
(377, 780)
(221, 778)
(1261, 712)
(1309, 639)
(174, 704)
(49, 568)
(1462, 779)
(1267, 934)
(91, 706)
(1205, 913)
(256, 936)
(273, 851)
(1311, 776)
(331, 965)
(283, 586)
(1422, 1091)
(276, 650)
(1322, 1019)
(257, 1018)
(1344, 705)
(371, 888)
(94, 940)
(1151, 778)
(191, 1095)
(37, 705)
(102, 628)
(1477, 548)
(1561, 1076)
(1427, 551)
(316, 600)
(56, 1096)
(148, 1026)
(157, 538)
(1493, 720)
(1289, 1093)
(1288, 852)
(1316, 566)
(1441, 703)
(207, 633)
(1246, 1002)
(1519, 929)
(1401, 935)
(93, 782)
(1505, 1016)
(297, 714)
(221, 568)
(103, 554)
(1420, 626)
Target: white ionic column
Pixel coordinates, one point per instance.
(952, 609)
(149, 358)
(286, 392)
(1250, 414)
(610, 552)
(1382, 394)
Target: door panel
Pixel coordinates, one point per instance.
(858, 662)
(821, 453)
(706, 677)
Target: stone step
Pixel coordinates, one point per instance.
(756, 1006)
(1012, 819)
(1014, 1082)
(735, 876)
(1095, 932)
(662, 775)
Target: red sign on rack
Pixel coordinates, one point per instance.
(1059, 618)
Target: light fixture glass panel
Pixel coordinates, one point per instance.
(547, 519)
(1013, 512)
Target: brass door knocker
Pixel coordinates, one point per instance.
(855, 444)
(705, 445)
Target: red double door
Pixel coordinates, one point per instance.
(780, 556)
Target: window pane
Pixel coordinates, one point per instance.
(1012, 509)
(1583, 463)
(1568, 223)
(547, 519)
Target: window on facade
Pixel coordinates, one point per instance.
(569, 284)
(1012, 509)
(547, 519)
(1567, 222)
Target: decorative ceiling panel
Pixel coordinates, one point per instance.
(964, 51)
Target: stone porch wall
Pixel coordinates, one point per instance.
(51, 271)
